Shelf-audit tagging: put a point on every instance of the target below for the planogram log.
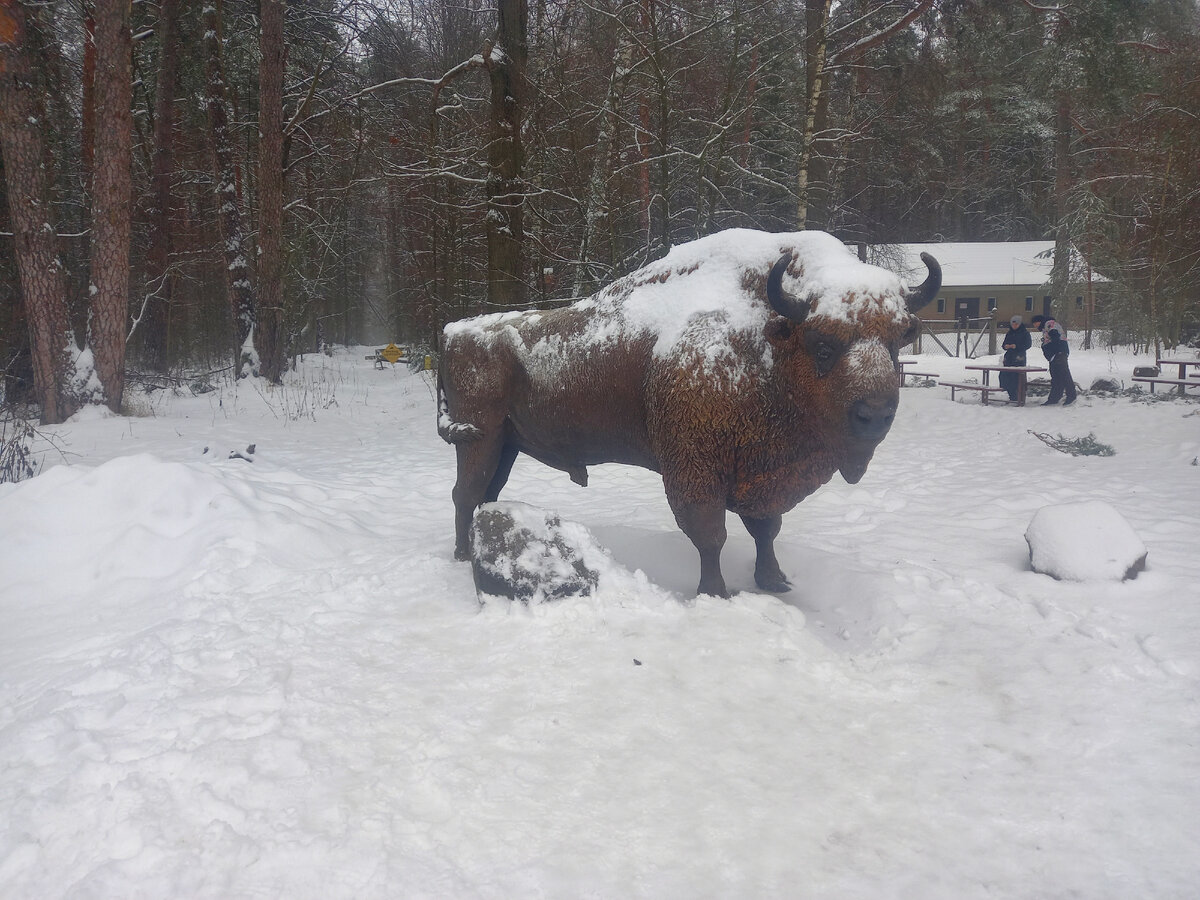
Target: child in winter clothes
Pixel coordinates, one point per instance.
(1056, 351)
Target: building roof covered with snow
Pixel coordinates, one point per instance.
(997, 263)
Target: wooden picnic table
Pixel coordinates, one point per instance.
(1022, 377)
(1178, 361)
(905, 372)
(1182, 378)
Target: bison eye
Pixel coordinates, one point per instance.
(824, 352)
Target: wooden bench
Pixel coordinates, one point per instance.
(904, 373)
(379, 357)
(1180, 383)
(985, 390)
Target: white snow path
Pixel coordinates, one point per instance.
(225, 679)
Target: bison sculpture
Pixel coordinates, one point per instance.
(745, 367)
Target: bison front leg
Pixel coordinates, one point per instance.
(704, 524)
(479, 463)
(767, 574)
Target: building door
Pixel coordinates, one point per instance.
(966, 307)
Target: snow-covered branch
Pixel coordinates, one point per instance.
(852, 52)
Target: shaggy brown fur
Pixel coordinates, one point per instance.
(747, 436)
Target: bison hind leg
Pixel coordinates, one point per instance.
(508, 456)
(481, 475)
(767, 573)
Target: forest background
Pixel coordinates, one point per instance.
(223, 185)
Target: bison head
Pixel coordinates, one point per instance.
(840, 365)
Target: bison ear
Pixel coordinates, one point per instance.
(910, 334)
(779, 330)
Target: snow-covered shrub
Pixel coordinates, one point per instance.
(16, 458)
(302, 395)
(417, 354)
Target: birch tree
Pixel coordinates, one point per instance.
(823, 55)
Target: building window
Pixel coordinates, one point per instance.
(1079, 303)
(1028, 304)
(941, 304)
(991, 304)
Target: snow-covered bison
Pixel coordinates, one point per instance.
(745, 367)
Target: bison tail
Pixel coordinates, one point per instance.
(450, 431)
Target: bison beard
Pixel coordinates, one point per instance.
(749, 406)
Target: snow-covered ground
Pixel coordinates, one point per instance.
(228, 679)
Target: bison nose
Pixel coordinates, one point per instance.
(871, 421)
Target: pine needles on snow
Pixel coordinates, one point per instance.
(1083, 446)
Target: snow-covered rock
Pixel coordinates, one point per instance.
(525, 553)
(1088, 541)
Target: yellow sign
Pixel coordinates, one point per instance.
(391, 353)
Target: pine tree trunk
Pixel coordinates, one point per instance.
(239, 287)
(43, 284)
(156, 324)
(506, 156)
(111, 198)
(270, 190)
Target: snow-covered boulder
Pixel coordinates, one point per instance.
(1088, 541)
(525, 553)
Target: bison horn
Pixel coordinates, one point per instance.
(919, 296)
(781, 301)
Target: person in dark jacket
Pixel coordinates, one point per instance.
(1056, 351)
(1016, 342)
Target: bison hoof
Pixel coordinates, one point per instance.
(713, 588)
(776, 583)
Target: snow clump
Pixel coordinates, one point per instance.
(1088, 541)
